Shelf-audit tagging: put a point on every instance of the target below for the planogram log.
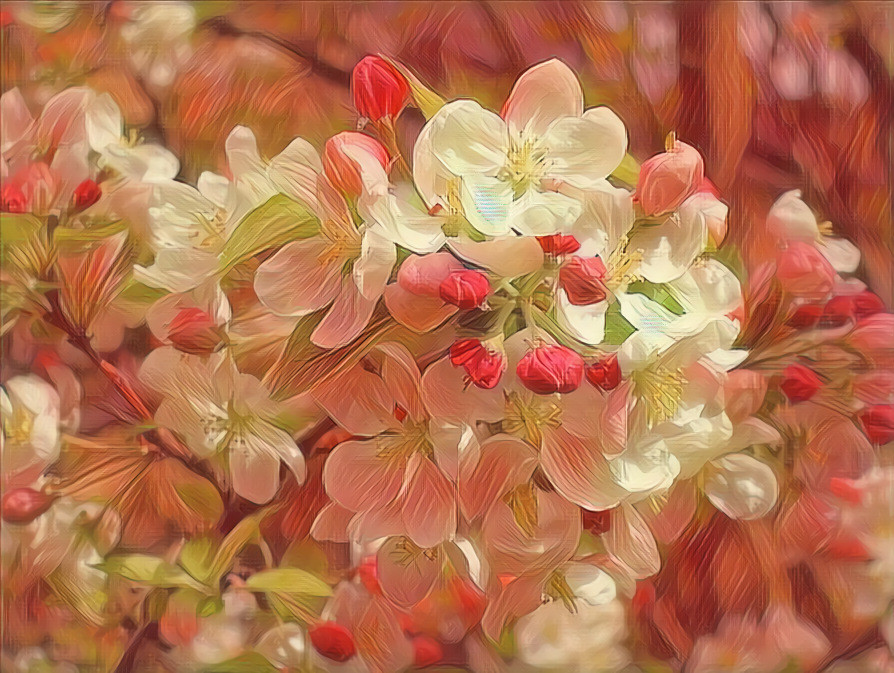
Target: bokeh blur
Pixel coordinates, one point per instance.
(776, 95)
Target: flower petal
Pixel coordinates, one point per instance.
(346, 318)
(539, 213)
(630, 542)
(508, 257)
(467, 139)
(429, 503)
(544, 93)
(741, 487)
(584, 150)
(294, 282)
(255, 470)
(585, 323)
(356, 477)
(373, 268)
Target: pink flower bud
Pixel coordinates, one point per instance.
(379, 90)
(800, 383)
(867, 304)
(423, 274)
(465, 288)
(194, 331)
(581, 278)
(426, 651)
(873, 336)
(838, 311)
(333, 641)
(483, 366)
(878, 422)
(605, 374)
(845, 489)
(23, 505)
(669, 178)
(803, 271)
(551, 369)
(556, 245)
(12, 199)
(342, 170)
(86, 194)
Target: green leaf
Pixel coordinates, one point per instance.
(201, 497)
(149, 570)
(270, 225)
(243, 533)
(657, 293)
(628, 171)
(617, 328)
(15, 230)
(250, 662)
(197, 556)
(424, 98)
(288, 581)
(64, 236)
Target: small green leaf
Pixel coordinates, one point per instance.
(65, 236)
(15, 230)
(288, 581)
(628, 171)
(201, 497)
(242, 534)
(617, 328)
(657, 293)
(149, 570)
(426, 100)
(270, 225)
(197, 556)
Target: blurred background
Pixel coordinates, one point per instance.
(776, 95)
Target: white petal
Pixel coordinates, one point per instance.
(373, 268)
(104, 122)
(295, 171)
(584, 150)
(468, 139)
(607, 215)
(15, 118)
(543, 94)
(741, 486)
(406, 226)
(843, 255)
(585, 323)
(709, 288)
(590, 584)
(539, 213)
(486, 202)
(217, 189)
(791, 219)
(646, 468)
(670, 248)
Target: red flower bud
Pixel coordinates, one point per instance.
(426, 651)
(558, 244)
(86, 194)
(848, 548)
(379, 90)
(845, 490)
(581, 278)
(878, 422)
(465, 288)
(606, 373)
(12, 199)
(669, 178)
(867, 304)
(483, 366)
(838, 311)
(333, 641)
(800, 383)
(551, 369)
(806, 316)
(194, 331)
(368, 571)
(23, 505)
(342, 169)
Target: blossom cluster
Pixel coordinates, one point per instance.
(499, 398)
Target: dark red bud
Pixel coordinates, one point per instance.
(878, 422)
(465, 288)
(551, 369)
(333, 641)
(23, 505)
(806, 316)
(379, 90)
(86, 194)
(558, 244)
(483, 366)
(582, 280)
(800, 383)
(605, 374)
(12, 200)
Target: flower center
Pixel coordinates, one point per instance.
(621, 265)
(661, 389)
(18, 425)
(525, 164)
(411, 438)
(526, 417)
(341, 245)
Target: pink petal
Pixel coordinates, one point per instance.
(423, 274)
(357, 478)
(543, 94)
(255, 472)
(405, 577)
(331, 523)
(367, 411)
(294, 281)
(505, 462)
(519, 597)
(579, 471)
(418, 312)
(346, 319)
(402, 379)
(630, 542)
(508, 257)
(447, 396)
(429, 503)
